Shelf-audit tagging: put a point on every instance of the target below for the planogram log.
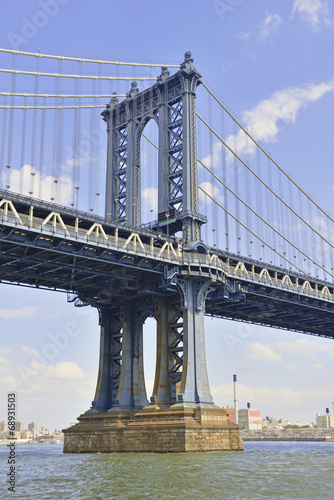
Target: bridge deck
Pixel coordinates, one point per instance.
(48, 246)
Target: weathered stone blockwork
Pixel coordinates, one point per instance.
(169, 430)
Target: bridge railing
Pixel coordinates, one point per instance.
(300, 287)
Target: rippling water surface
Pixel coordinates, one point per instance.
(263, 470)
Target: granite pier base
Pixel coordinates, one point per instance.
(154, 429)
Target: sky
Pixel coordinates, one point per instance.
(271, 63)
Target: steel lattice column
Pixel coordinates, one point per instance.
(169, 352)
(110, 360)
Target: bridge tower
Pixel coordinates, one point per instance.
(121, 418)
(171, 103)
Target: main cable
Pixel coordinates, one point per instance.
(81, 59)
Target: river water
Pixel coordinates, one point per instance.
(264, 470)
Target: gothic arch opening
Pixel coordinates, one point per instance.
(149, 353)
(149, 138)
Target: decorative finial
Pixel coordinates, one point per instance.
(187, 64)
(164, 74)
(114, 99)
(134, 90)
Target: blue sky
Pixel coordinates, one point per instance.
(256, 56)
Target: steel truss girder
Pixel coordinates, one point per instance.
(277, 309)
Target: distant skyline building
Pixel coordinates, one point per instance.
(250, 418)
(32, 427)
(230, 414)
(19, 426)
(325, 421)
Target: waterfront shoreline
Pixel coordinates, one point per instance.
(302, 434)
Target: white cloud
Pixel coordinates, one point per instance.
(291, 366)
(318, 366)
(64, 370)
(269, 27)
(23, 312)
(212, 190)
(264, 31)
(150, 195)
(214, 159)
(261, 352)
(29, 350)
(264, 120)
(4, 362)
(5, 350)
(40, 185)
(305, 347)
(313, 12)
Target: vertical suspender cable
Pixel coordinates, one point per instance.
(248, 194)
(11, 126)
(41, 157)
(23, 145)
(223, 159)
(54, 168)
(91, 160)
(258, 195)
(236, 186)
(34, 132)
(3, 138)
(212, 166)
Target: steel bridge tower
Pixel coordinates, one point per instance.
(181, 389)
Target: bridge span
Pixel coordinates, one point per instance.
(44, 245)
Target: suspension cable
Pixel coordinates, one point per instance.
(254, 212)
(254, 234)
(73, 96)
(264, 151)
(81, 59)
(259, 216)
(55, 107)
(263, 182)
(86, 77)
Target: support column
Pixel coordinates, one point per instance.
(163, 162)
(109, 364)
(133, 177)
(110, 211)
(194, 388)
(190, 81)
(162, 390)
(131, 391)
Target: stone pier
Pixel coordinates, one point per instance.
(154, 430)
(181, 415)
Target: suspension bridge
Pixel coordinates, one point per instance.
(198, 219)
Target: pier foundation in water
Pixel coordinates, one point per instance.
(154, 430)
